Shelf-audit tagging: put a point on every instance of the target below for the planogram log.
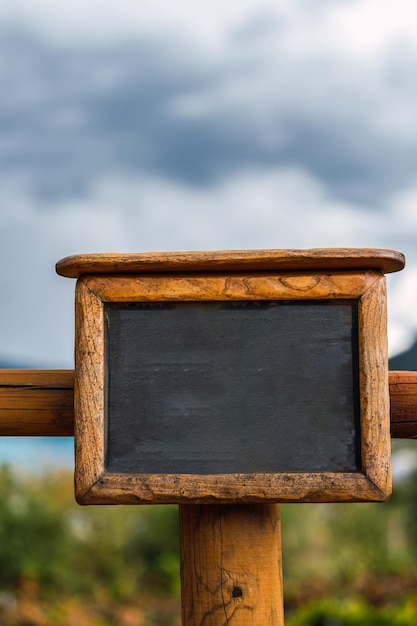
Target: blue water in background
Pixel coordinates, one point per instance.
(37, 454)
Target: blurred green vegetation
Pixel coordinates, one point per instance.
(105, 560)
(61, 564)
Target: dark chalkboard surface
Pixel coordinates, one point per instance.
(232, 387)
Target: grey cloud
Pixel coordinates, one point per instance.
(70, 117)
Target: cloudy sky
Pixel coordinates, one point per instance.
(147, 126)
(137, 126)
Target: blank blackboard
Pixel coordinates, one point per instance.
(232, 387)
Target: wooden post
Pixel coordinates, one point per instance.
(231, 565)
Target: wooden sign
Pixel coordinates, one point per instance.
(232, 376)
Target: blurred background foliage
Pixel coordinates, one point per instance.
(344, 564)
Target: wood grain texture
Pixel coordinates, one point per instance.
(403, 397)
(233, 260)
(374, 389)
(223, 288)
(37, 402)
(231, 571)
(89, 390)
(230, 488)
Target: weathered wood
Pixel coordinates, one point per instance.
(374, 389)
(224, 288)
(95, 482)
(229, 488)
(37, 402)
(233, 261)
(89, 400)
(231, 565)
(403, 397)
(40, 402)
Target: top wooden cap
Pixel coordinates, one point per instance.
(233, 261)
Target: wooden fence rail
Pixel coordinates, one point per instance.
(41, 403)
(37, 402)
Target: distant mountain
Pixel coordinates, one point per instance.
(9, 365)
(406, 360)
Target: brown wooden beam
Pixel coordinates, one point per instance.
(403, 398)
(37, 402)
(41, 402)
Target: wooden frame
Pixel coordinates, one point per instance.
(95, 485)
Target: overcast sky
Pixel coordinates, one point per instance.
(232, 124)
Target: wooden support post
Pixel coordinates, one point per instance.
(231, 565)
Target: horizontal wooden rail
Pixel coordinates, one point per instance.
(403, 400)
(37, 402)
(41, 402)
